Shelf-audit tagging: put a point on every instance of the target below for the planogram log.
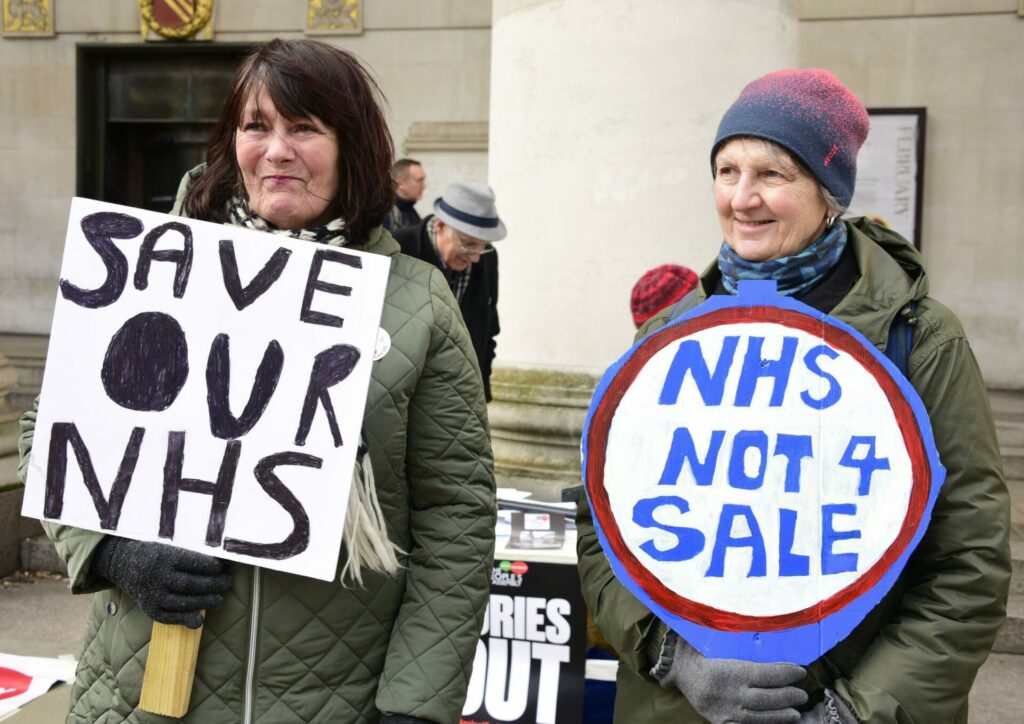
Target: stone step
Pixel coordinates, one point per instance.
(1011, 636)
(1013, 463)
(1007, 404)
(1010, 434)
(39, 554)
(1017, 567)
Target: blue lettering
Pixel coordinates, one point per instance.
(754, 368)
(836, 562)
(795, 448)
(744, 440)
(690, 358)
(725, 540)
(790, 564)
(683, 449)
(867, 464)
(834, 391)
(690, 541)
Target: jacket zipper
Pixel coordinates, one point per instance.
(250, 667)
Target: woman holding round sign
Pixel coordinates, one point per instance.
(301, 148)
(782, 523)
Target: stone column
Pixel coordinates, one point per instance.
(601, 122)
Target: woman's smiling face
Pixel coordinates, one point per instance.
(767, 205)
(289, 166)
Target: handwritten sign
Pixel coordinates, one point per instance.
(759, 475)
(205, 386)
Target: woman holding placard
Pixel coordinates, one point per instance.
(784, 167)
(301, 148)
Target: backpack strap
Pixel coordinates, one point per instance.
(901, 338)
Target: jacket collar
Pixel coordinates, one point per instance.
(891, 276)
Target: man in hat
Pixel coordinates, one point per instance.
(410, 180)
(456, 239)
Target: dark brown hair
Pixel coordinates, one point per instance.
(307, 78)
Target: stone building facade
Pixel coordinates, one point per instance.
(593, 122)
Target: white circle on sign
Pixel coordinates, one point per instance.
(382, 345)
(866, 519)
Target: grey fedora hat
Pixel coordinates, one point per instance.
(469, 208)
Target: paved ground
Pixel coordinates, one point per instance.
(39, 617)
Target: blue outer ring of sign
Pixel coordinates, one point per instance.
(801, 644)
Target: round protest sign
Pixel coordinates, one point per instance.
(759, 475)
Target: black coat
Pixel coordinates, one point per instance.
(479, 304)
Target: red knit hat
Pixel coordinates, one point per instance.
(658, 288)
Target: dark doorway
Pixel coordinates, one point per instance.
(144, 117)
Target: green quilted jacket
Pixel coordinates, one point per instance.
(284, 648)
(914, 657)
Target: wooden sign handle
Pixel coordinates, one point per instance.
(170, 669)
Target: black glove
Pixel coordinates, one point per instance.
(403, 719)
(729, 690)
(171, 585)
(831, 710)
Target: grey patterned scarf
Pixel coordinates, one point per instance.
(239, 214)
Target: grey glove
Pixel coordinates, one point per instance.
(728, 690)
(831, 710)
(171, 585)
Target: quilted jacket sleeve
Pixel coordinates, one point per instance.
(449, 468)
(921, 666)
(74, 545)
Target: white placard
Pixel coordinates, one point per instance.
(213, 397)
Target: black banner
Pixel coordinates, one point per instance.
(530, 660)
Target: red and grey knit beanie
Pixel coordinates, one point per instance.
(658, 288)
(811, 114)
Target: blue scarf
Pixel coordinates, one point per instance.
(793, 275)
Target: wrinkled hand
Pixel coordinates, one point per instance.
(832, 710)
(171, 585)
(728, 690)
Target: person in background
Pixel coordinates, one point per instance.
(410, 181)
(457, 238)
(784, 167)
(658, 288)
(301, 149)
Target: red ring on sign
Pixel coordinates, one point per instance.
(710, 616)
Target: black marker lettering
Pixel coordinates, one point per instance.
(241, 296)
(109, 509)
(146, 363)
(182, 258)
(298, 539)
(218, 384)
(219, 491)
(313, 284)
(100, 230)
(329, 368)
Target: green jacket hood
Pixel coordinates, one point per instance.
(378, 242)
